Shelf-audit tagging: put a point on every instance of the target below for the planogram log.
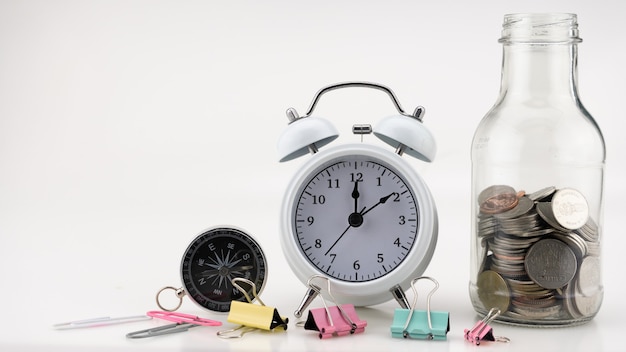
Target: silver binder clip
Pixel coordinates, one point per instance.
(420, 324)
(337, 320)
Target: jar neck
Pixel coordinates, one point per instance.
(544, 71)
(540, 56)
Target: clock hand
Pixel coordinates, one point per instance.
(356, 219)
(344, 232)
(355, 195)
(382, 200)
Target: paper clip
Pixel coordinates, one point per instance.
(338, 320)
(182, 322)
(101, 321)
(482, 331)
(420, 324)
(251, 317)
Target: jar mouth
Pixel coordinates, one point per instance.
(540, 28)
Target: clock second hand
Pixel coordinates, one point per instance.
(355, 194)
(343, 233)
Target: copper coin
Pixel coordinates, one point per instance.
(499, 203)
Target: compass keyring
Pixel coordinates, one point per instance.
(179, 292)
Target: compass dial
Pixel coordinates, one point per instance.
(213, 259)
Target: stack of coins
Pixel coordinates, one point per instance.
(540, 254)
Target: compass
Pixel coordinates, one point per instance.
(210, 263)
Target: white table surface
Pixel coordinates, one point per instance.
(127, 127)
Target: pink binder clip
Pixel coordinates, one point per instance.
(338, 320)
(482, 331)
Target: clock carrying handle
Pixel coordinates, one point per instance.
(418, 113)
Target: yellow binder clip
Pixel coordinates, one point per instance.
(249, 316)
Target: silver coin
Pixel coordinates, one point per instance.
(589, 231)
(544, 209)
(551, 263)
(570, 208)
(575, 242)
(589, 281)
(523, 206)
(537, 312)
(588, 304)
(569, 294)
(542, 194)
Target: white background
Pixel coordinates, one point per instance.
(128, 127)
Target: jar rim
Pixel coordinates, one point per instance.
(540, 28)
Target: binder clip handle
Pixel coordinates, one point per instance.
(330, 294)
(405, 333)
(482, 330)
(330, 321)
(245, 293)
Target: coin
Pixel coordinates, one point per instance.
(570, 208)
(493, 291)
(499, 203)
(544, 209)
(524, 205)
(588, 305)
(589, 282)
(550, 263)
(589, 231)
(494, 190)
(528, 241)
(543, 194)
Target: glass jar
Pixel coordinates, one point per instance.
(537, 183)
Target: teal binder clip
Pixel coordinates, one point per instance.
(420, 324)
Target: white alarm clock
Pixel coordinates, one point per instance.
(357, 213)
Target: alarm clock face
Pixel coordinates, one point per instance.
(360, 216)
(213, 259)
